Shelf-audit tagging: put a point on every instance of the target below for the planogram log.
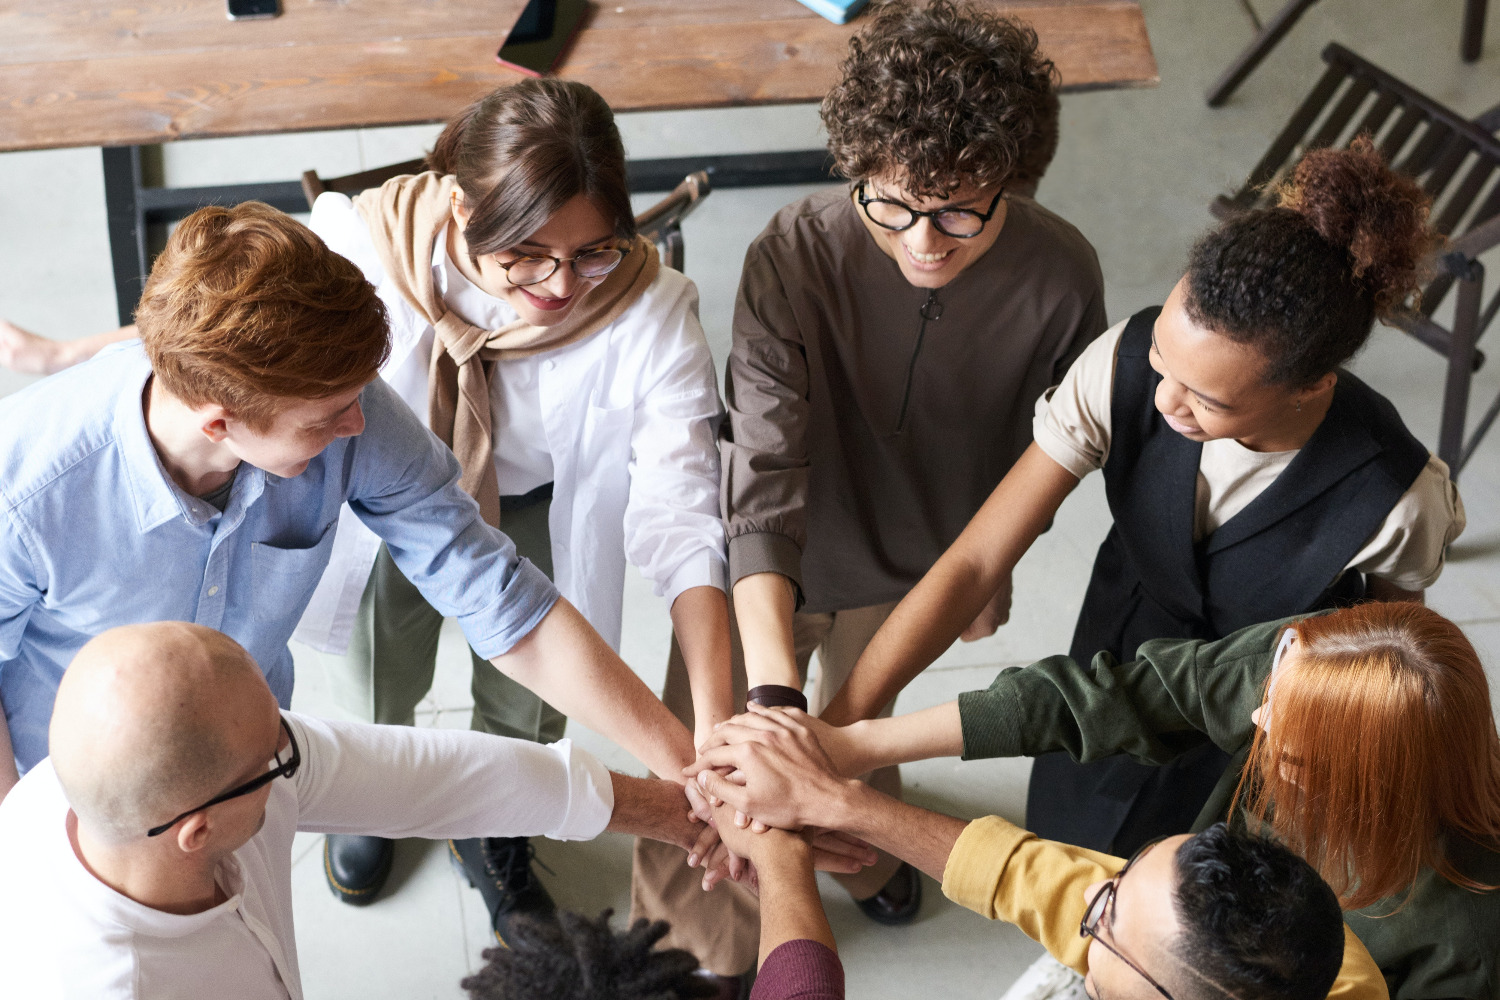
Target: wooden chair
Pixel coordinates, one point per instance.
(1456, 161)
(661, 223)
(1273, 31)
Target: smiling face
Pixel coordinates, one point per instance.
(1212, 388)
(1139, 926)
(575, 229)
(298, 433)
(927, 257)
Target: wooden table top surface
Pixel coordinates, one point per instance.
(82, 73)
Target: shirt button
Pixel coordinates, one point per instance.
(549, 365)
(213, 590)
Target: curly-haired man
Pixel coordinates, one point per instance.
(890, 340)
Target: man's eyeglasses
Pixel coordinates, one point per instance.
(897, 216)
(283, 769)
(533, 268)
(1102, 903)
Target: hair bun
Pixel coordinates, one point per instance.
(1354, 200)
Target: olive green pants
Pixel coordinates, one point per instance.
(393, 652)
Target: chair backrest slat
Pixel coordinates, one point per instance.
(1461, 199)
(1342, 113)
(1379, 113)
(1391, 143)
(1291, 137)
(1445, 165)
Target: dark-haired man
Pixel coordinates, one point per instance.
(1210, 916)
(890, 340)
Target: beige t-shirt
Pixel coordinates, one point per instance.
(1072, 425)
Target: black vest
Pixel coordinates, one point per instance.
(1283, 554)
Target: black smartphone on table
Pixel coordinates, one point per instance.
(243, 10)
(541, 34)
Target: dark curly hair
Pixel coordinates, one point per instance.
(1303, 282)
(581, 959)
(943, 93)
(1258, 923)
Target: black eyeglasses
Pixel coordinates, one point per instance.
(283, 769)
(897, 216)
(535, 267)
(1100, 905)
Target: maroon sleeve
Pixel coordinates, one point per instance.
(806, 970)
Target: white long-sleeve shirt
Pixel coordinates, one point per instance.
(65, 934)
(623, 423)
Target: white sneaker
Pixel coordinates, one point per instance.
(1047, 979)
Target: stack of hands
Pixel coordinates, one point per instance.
(768, 784)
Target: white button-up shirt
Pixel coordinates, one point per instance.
(65, 934)
(624, 421)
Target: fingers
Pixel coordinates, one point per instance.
(703, 846)
(701, 810)
(722, 789)
(725, 757)
(825, 861)
(831, 842)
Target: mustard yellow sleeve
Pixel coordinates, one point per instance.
(1003, 872)
(1359, 976)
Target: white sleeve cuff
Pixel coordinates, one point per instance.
(709, 569)
(591, 794)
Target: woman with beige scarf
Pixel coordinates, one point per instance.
(567, 370)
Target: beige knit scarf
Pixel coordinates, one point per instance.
(405, 215)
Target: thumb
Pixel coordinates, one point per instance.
(721, 788)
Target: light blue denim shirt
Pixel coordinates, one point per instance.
(94, 534)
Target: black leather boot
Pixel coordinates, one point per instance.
(357, 866)
(500, 868)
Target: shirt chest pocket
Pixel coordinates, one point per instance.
(283, 577)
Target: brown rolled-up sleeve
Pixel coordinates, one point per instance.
(763, 445)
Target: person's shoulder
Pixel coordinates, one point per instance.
(51, 426)
(1049, 236)
(821, 217)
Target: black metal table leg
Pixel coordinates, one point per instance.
(127, 225)
(1470, 274)
(1473, 40)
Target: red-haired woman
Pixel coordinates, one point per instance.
(1249, 475)
(1363, 738)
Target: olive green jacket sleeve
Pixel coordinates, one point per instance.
(1153, 708)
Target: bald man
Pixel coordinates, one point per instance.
(150, 854)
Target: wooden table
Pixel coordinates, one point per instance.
(81, 73)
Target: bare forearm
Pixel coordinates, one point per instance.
(1378, 589)
(763, 605)
(790, 908)
(901, 739)
(651, 807)
(917, 836)
(957, 587)
(9, 773)
(566, 662)
(700, 620)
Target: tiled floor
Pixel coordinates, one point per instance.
(1135, 173)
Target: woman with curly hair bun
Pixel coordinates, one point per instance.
(888, 339)
(1250, 476)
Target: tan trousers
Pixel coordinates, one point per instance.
(722, 927)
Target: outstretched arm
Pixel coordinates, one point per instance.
(863, 746)
(700, 620)
(763, 606)
(566, 662)
(957, 588)
(9, 773)
(31, 354)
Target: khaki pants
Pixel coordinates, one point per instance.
(722, 927)
(393, 651)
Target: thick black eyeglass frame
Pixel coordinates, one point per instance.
(282, 770)
(984, 217)
(558, 262)
(1100, 905)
